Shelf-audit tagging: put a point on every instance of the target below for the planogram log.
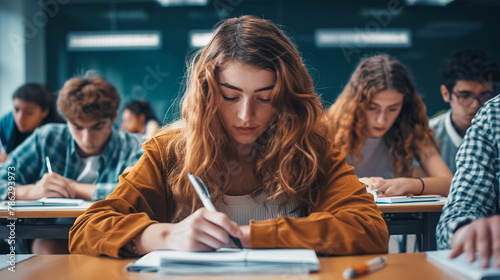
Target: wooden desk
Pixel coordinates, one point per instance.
(32, 231)
(49, 267)
(415, 218)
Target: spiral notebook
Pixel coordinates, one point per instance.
(229, 261)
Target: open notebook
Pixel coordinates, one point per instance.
(461, 266)
(46, 201)
(229, 261)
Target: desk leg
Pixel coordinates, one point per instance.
(429, 236)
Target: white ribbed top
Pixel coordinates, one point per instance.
(244, 208)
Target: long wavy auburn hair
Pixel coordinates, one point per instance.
(410, 131)
(287, 157)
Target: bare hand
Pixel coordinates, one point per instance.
(53, 185)
(481, 236)
(3, 157)
(201, 231)
(385, 187)
(245, 239)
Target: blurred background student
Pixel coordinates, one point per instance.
(379, 121)
(33, 106)
(470, 79)
(138, 117)
(87, 155)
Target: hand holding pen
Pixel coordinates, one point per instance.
(52, 185)
(203, 230)
(204, 195)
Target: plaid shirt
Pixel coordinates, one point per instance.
(56, 142)
(474, 191)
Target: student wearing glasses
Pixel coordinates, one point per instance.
(470, 222)
(379, 121)
(252, 130)
(470, 79)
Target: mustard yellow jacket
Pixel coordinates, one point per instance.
(346, 221)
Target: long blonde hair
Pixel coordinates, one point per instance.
(410, 130)
(287, 156)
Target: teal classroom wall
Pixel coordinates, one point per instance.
(456, 26)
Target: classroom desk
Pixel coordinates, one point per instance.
(32, 231)
(414, 218)
(411, 218)
(399, 266)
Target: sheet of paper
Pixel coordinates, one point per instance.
(5, 260)
(229, 260)
(406, 199)
(460, 265)
(46, 201)
(297, 256)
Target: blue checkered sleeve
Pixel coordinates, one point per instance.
(474, 188)
(103, 189)
(23, 165)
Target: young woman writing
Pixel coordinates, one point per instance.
(251, 129)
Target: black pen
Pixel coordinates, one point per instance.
(205, 199)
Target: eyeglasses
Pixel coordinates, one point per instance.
(468, 99)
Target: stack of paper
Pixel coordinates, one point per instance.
(461, 266)
(406, 199)
(229, 261)
(46, 201)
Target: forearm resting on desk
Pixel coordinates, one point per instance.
(27, 192)
(83, 191)
(405, 185)
(37, 191)
(201, 231)
(34, 192)
(428, 185)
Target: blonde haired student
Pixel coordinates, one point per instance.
(253, 133)
(379, 121)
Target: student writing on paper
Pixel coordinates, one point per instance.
(87, 154)
(33, 106)
(252, 130)
(470, 221)
(379, 121)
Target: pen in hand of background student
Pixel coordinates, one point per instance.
(50, 185)
(49, 166)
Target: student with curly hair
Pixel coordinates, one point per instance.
(379, 121)
(470, 79)
(87, 154)
(252, 130)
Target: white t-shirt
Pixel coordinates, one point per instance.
(89, 170)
